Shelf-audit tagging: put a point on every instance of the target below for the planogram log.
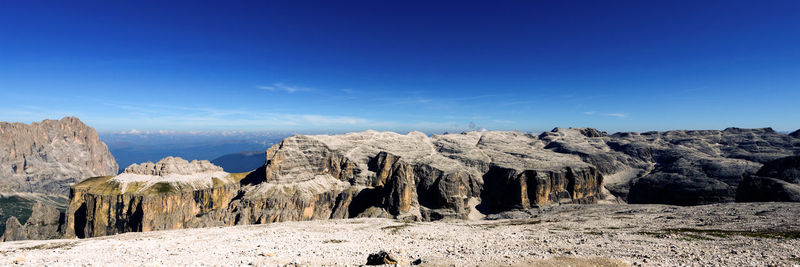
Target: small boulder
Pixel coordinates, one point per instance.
(381, 258)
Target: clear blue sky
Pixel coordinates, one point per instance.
(402, 65)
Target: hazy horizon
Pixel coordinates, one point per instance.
(323, 67)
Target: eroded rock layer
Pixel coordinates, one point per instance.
(675, 167)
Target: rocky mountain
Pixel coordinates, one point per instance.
(795, 134)
(169, 194)
(419, 177)
(367, 174)
(45, 157)
(38, 162)
(674, 167)
(778, 180)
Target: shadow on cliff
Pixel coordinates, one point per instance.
(497, 195)
(80, 221)
(255, 177)
(367, 198)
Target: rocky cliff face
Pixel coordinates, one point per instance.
(417, 177)
(675, 167)
(795, 134)
(45, 157)
(169, 194)
(367, 174)
(778, 180)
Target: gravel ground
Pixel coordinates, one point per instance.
(749, 234)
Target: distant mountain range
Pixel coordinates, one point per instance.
(244, 161)
(137, 148)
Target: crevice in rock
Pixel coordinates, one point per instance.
(80, 221)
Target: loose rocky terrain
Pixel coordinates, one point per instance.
(731, 234)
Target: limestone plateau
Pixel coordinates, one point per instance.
(46, 157)
(415, 177)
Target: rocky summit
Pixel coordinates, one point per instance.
(45, 157)
(38, 162)
(169, 194)
(415, 177)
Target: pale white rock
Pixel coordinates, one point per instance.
(197, 174)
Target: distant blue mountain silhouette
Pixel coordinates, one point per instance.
(244, 161)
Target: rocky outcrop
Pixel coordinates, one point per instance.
(170, 194)
(778, 180)
(420, 177)
(367, 174)
(674, 167)
(44, 223)
(795, 134)
(45, 157)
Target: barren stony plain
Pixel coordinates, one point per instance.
(736, 234)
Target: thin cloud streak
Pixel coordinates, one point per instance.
(284, 87)
(617, 115)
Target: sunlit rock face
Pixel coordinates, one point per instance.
(169, 194)
(414, 176)
(418, 177)
(366, 174)
(45, 157)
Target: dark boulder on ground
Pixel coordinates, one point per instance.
(381, 258)
(778, 180)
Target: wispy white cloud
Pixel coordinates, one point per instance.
(284, 87)
(617, 115)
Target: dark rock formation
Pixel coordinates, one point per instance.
(381, 258)
(674, 167)
(677, 189)
(45, 157)
(44, 223)
(795, 134)
(778, 180)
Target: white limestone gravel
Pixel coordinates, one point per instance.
(577, 235)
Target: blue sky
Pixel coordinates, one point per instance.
(402, 65)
